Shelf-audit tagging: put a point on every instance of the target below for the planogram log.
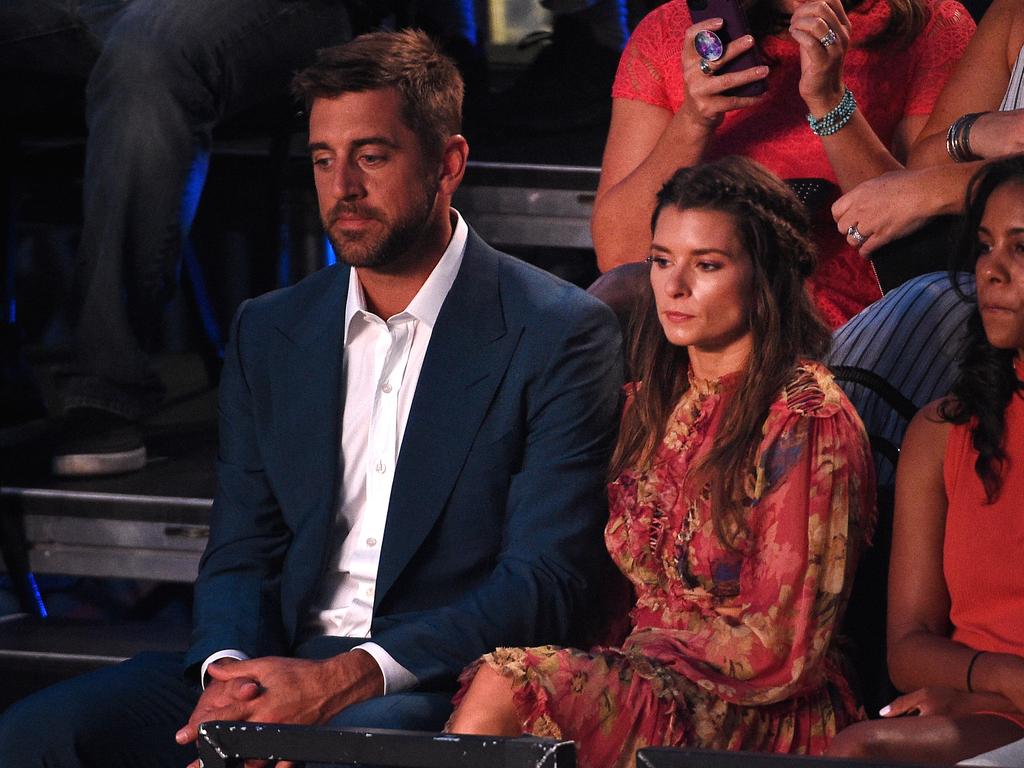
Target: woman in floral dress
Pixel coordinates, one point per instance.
(743, 492)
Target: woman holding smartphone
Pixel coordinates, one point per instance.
(743, 491)
(866, 73)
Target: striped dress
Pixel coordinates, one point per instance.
(909, 340)
(1014, 97)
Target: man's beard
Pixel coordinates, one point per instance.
(377, 251)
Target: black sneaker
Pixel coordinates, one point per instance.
(95, 442)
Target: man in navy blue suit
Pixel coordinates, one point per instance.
(412, 450)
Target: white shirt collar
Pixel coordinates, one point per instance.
(426, 304)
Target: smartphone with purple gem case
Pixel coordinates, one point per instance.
(735, 27)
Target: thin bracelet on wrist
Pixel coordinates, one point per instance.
(835, 118)
(970, 669)
(958, 138)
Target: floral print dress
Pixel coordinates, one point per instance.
(727, 649)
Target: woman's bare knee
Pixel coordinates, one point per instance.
(860, 740)
(931, 739)
(488, 706)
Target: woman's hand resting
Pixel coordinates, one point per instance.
(945, 701)
(887, 208)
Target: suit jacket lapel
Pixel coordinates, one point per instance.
(306, 384)
(470, 348)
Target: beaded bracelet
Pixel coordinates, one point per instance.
(835, 118)
(958, 138)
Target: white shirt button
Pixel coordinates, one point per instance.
(386, 387)
(371, 542)
(369, 591)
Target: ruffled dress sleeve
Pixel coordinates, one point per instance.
(757, 627)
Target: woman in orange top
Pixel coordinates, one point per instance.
(956, 585)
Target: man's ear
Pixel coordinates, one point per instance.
(453, 163)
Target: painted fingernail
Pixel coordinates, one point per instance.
(885, 710)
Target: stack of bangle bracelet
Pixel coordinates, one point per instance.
(958, 138)
(835, 118)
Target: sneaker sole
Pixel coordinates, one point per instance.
(87, 464)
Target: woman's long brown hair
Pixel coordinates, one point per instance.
(786, 328)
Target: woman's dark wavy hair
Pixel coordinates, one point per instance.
(906, 20)
(772, 225)
(987, 379)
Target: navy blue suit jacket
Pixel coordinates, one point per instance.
(494, 528)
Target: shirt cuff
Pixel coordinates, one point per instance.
(396, 677)
(230, 653)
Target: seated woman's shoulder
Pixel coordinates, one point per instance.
(929, 422)
(812, 391)
(924, 445)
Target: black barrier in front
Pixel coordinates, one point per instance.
(229, 744)
(667, 757)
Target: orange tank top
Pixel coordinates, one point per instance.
(983, 551)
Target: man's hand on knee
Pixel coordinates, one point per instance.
(283, 690)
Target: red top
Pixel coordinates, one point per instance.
(889, 83)
(981, 556)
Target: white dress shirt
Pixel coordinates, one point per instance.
(381, 367)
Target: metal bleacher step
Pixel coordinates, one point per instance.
(540, 213)
(150, 524)
(36, 652)
(516, 204)
(128, 532)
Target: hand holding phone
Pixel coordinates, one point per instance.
(716, 42)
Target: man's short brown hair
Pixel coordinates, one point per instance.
(429, 82)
